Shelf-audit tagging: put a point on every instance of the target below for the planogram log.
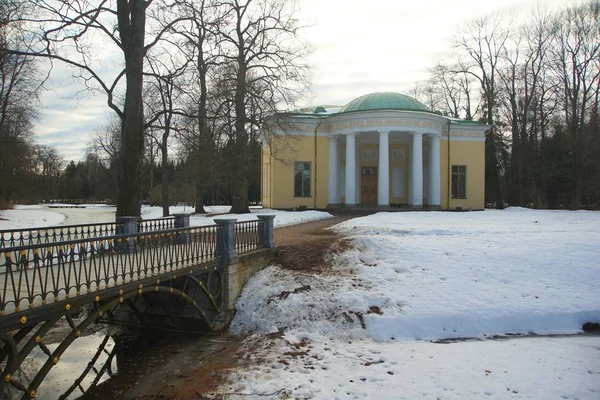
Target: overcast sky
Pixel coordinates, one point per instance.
(359, 47)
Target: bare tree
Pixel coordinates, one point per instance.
(261, 44)
(576, 55)
(49, 166)
(19, 83)
(164, 103)
(71, 32)
(203, 49)
(482, 46)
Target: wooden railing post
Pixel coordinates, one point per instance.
(226, 239)
(265, 231)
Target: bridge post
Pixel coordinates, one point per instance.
(127, 226)
(182, 221)
(265, 231)
(226, 239)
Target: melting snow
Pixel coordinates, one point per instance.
(427, 276)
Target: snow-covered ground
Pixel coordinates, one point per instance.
(424, 276)
(29, 216)
(282, 218)
(41, 215)
(325, 368)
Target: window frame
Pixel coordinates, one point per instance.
(458, 174)
(303, 194)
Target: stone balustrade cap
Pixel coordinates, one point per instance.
(225, 220)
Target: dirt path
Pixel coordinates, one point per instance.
(305, 247)
(307, 232)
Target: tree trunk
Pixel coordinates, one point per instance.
(132, 129)
(203, 162)
(240, 164)
(165, 179)
(200, 189)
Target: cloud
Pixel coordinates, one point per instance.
(385, 45)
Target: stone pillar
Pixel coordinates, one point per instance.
(265, 230)
(334, 198)
(351, 170)
(226, 239)
(383, 176)
(417, 170)
(434, 172)
(182, 221)
(127, 226)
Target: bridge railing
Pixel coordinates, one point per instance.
(247, 236)
(156, 224)
(38, 274)
(53, 234)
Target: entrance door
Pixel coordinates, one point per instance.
(368, 184)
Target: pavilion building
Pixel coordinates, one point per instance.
(381, 150)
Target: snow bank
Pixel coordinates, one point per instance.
(442, 275)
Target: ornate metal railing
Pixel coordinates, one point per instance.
(38, 274)
(52, 234)
(157, 224)
(247, 236)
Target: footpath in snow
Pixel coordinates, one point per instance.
(360, 330)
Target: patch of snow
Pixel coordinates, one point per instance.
(321, 367)
(446, 275)
(282, 218)
(28, 217)
(358, 331)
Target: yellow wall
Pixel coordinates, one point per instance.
(472, 155)
(278, 170)
(282, 176)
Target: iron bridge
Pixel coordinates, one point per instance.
(161, 276)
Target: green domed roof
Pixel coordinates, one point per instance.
(384, 101)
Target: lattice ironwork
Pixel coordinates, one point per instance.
(170, 279)
(193, 298)
(106, 368)
(53, 234)
(36, 275)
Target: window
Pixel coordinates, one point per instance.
(301, 179)
(459, 182)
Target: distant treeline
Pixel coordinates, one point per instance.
(535, 78)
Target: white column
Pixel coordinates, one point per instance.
(434, 172)
(351, 169)
(383, 181)
(417, 170)
(333, 171)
